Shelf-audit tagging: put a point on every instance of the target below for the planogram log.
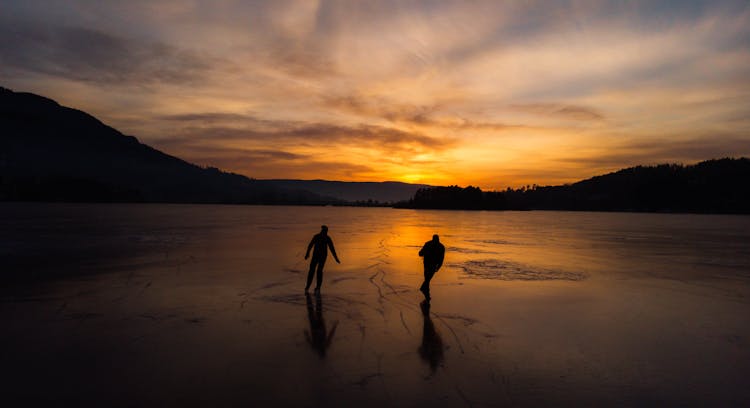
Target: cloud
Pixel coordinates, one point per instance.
(302, 62)
(313, 169)
(93, 56)
(379, 107)
(249, 128)
(368, 135)
(663, 149)
(204, 117)
(224, 153)
(575, 112)
(265, 163)
(415, 115)
(300, 149)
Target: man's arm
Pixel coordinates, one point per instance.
(421, 251)
(333, 250)
(309, 246)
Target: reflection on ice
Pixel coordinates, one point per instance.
(431, 349)
(318, 337)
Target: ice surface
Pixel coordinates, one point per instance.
(181, 305)
(504, 270)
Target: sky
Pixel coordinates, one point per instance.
(493, 94)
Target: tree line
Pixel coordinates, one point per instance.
(713, 186)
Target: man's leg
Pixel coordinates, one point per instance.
(425, 288)
(310, 274)
(424, 282)
(320, 274)
(427, 280)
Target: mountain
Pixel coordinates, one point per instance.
(363, 192)
(713, 186)
(50, 152)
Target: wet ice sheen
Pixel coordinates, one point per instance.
(509, 271)
(186, 305)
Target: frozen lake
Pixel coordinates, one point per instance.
(201, 305)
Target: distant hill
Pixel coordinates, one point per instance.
(50, 152)
(364, 192)
(713, 186)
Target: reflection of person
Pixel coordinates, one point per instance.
(432, 253)
(318, 337)
(321, 241)
(431, 349)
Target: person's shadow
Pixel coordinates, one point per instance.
(431, 349)
(318, 337)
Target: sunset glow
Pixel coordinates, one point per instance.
(491, 94)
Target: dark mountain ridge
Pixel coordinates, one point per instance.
(49, 152)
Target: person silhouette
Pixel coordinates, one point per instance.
(321, 241)
(432, 253)
(318, 337)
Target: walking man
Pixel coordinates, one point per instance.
(321, 241)
(432, 253)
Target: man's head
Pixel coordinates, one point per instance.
(324, 229)
(436, 238)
